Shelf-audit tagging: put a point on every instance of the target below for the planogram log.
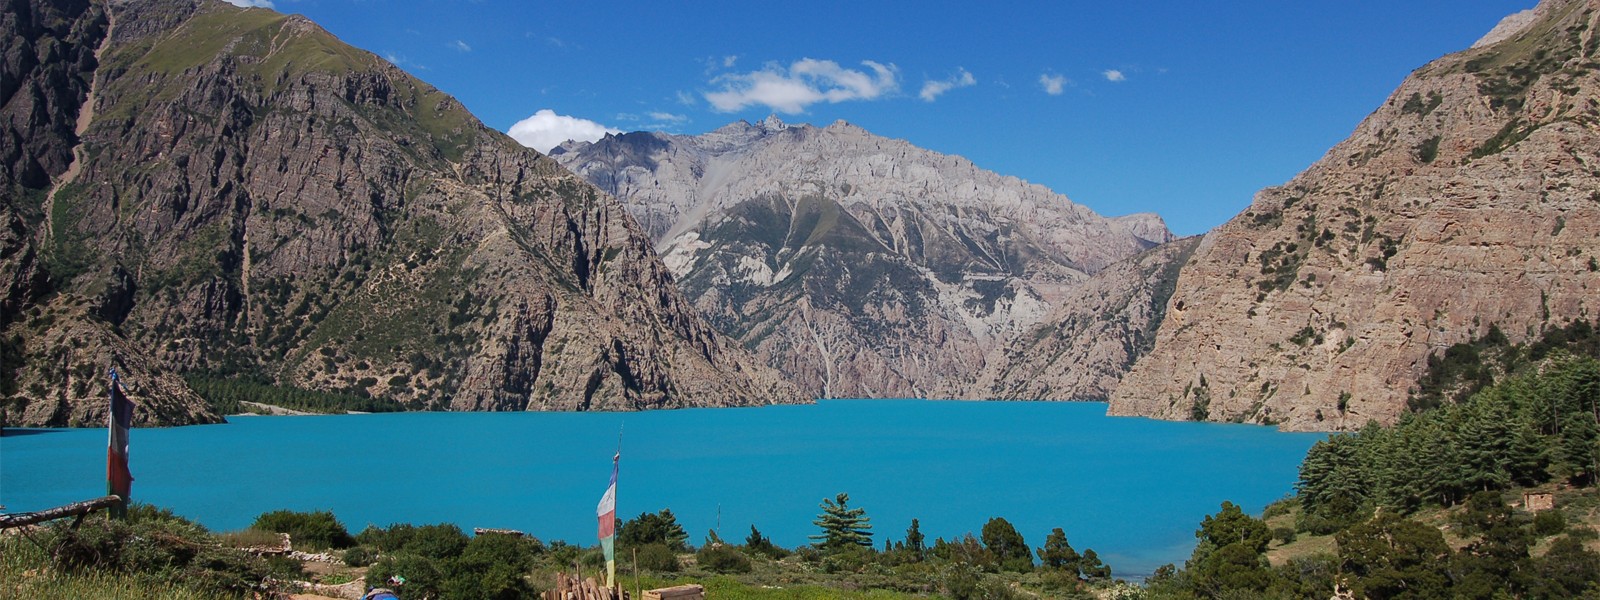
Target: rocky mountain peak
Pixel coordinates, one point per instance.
(898, 266)
(255, 199)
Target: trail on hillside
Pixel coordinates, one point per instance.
(85, 116)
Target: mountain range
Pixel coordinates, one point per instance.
(858, 265)
(192, 189)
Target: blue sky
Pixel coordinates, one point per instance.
(1181, 108)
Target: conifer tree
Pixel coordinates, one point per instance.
(1007, 545)
(1091, 567)
(842, 526)
(1057, 553)
(915, 541)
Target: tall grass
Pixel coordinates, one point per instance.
(25, 573)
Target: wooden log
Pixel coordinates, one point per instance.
(50, 514)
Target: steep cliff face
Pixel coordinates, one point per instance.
(255, 197)
(860, 266)
(1468, 200)
(55, 351)
(1082, 350)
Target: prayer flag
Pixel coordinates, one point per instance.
(607, 512)
(119, 481)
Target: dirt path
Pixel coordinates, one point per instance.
(85, 116)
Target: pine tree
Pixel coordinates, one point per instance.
(1008, 547)
(841, 525)
(1057, 553)
(1091, 566)
(915, 541)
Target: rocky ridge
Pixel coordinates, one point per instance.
(1082, 350)
(858, 265)
(257, 198)
(1467, 201)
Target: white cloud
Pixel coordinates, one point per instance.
(666, 117)
(806, 82)
(1052, 83)
(686, 98)
(403, 62)
(546, 129)
(1115, 75)
(932, 89)
(729, 60)
(251, 3)
(460, 45)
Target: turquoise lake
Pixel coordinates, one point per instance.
(1133, 489)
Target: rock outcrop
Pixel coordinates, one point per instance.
(1082, 350)
(858, 265)
(254, 197)
(1468, 200)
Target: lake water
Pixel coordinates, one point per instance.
(1133, 489)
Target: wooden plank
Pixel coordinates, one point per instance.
(692, 591)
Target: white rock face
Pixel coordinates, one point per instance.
(861, 266)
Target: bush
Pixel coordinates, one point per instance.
(1284, 535)
(359, 556)
(498, 582)
(437, 541)
(158, 548)
(658, 528)
(387, 539)
(847, 559)
(493, 549)
(723, 559)
(423, 577)
(658, 557)
(1549, 522)
(562, 553)
(763, 546)
(313, 530)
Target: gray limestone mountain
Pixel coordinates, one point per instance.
(858, 265)
(252, 197)
(1082, 350)
(1469, 200)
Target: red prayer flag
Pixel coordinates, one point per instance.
(119, 481)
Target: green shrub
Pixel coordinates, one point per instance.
(359, 556)
(159, 549)
(423, 578)
(1284, 535)
(723, 559)
(1549, 522)
(386, 539)
(658, 528)
(847, 559)
(491, 549)
(437, 541)
(307, 530)
(658, 557)
(762, 545)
